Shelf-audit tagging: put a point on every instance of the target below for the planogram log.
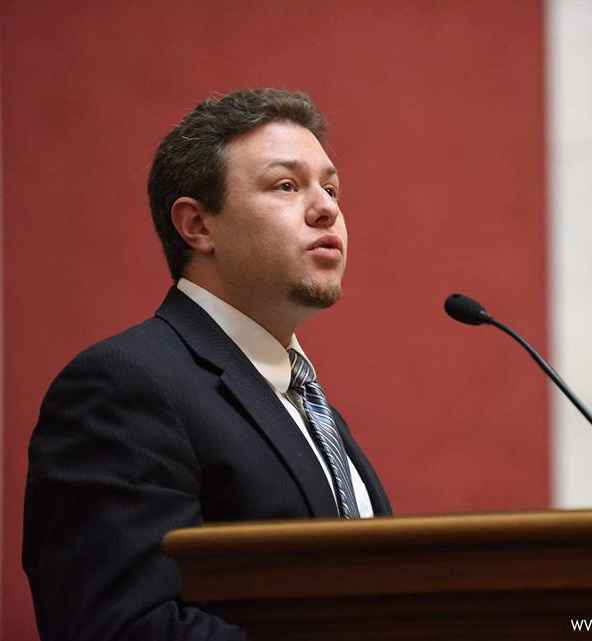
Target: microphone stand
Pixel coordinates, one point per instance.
(542, 363)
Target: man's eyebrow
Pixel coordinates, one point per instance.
(296, 165)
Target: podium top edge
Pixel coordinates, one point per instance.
(380, 534)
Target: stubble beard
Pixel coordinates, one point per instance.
(314, 294)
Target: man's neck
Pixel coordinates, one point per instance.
(279, 318)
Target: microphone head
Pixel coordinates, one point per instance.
(466, 310)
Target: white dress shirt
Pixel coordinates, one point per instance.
(271, 360)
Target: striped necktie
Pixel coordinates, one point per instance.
(321, 425)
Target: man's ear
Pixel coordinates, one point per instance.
(191, 220)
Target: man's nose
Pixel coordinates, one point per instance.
(322, 210)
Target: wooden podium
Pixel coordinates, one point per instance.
(493, 577)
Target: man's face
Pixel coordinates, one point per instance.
(280, 237)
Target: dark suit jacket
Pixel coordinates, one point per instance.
(166, 425)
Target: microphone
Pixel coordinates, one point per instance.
(466, 310)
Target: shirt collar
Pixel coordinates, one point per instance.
(267, 354)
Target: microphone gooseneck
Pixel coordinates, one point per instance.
(466, 310)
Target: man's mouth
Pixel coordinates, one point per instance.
(329, 244)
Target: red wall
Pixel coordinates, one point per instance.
(1, 342)
(436, 113)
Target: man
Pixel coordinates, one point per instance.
(209, 411)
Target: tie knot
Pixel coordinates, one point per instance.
(302, 372)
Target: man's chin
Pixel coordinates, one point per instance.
(315, 295)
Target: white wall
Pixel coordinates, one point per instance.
(569, 84)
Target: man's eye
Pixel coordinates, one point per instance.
(332, 192)
(287, 186)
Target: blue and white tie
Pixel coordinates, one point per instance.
(322, 426)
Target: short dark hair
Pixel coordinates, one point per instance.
(190, 160)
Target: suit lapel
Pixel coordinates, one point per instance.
(271, 417)
(209, 343)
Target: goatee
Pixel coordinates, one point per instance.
(315, 295)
